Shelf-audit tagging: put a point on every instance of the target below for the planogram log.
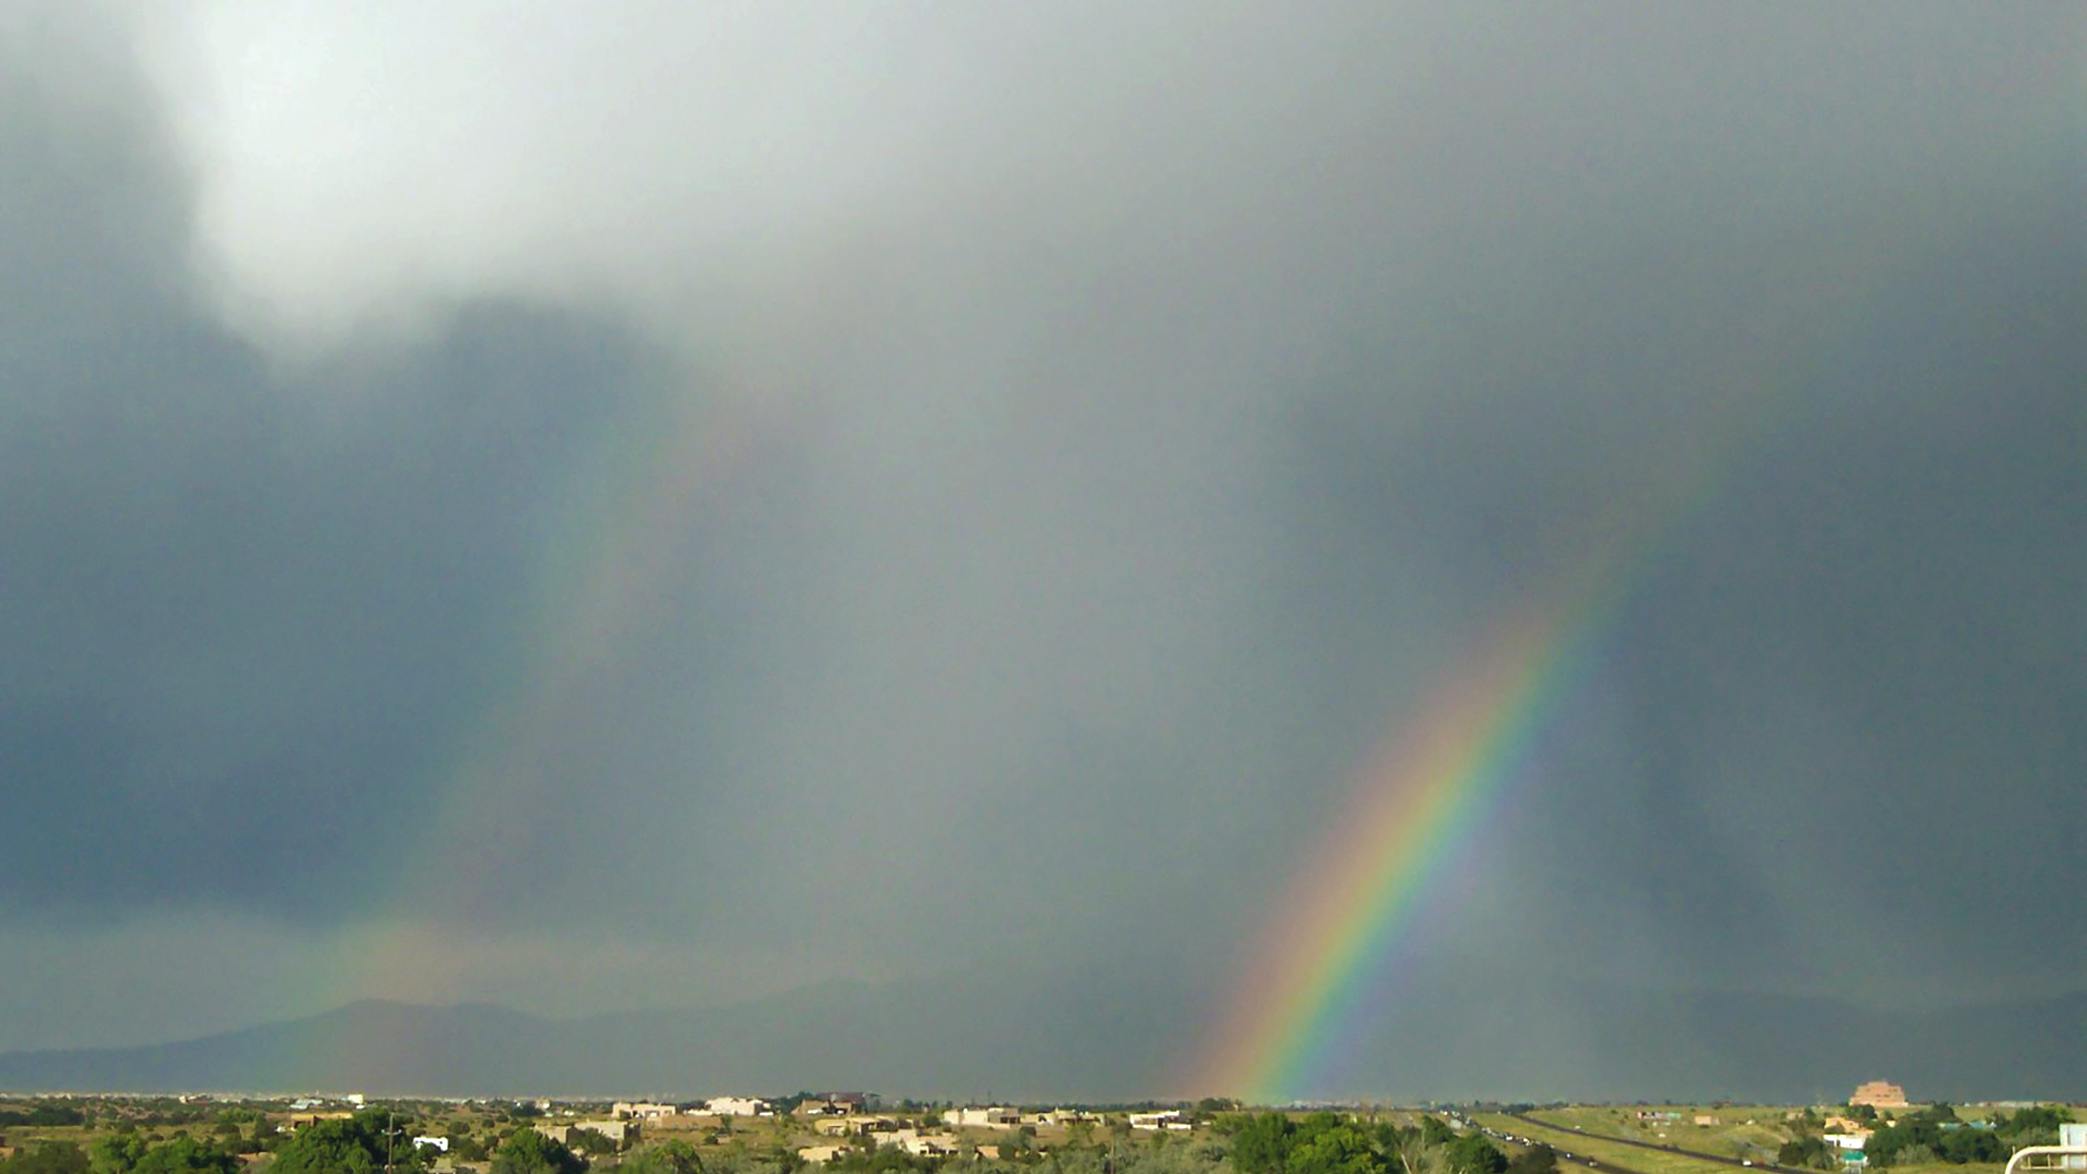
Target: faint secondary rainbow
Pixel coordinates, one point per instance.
(603, 578)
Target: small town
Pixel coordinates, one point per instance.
(1876, 1128)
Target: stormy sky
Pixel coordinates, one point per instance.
(609, 506)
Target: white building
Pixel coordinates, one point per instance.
(2073, 1135)
(988, 1117)
(432, 1143)
(1164, 1119)
(641, 1110)
(736, 1107)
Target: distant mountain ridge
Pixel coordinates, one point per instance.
(1095, 1037)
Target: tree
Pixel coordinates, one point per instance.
(1261, 1143)
(668, 1157)
(2037, 1125)
(185, 1155)
(116, 1153)
(350, 1145)
(1407, 1148)
(1537, 1159)
(528, 1152)
(1473, 1154)
(592, 1142)
(1339, 1148)
(1972, 1145)
(50, 1157)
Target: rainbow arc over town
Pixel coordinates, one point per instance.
(1415, 802)
(1318, 963)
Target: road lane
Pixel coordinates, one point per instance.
(1646, 1145)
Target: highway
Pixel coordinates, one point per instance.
(1646, 1145)
(1566, 1158)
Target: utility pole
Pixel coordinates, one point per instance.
(388, 1114)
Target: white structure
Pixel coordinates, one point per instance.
(2051, 1157)
(1845, 1141)
(2072, 1135)
(819, 1155)
(641, 1110)
(990, 1117)
(1164, 1119)
(432, 1143)
(736, 1107)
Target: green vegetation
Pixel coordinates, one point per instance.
(48, 1157)
(669, 1157)
(1936, 1135)
(158, 1135)
(1327, 1143)
(353, 1145)
(528, 1152)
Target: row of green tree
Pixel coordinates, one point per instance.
(1327, 1143)
(1935, 1134)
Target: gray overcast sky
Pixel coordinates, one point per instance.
(636, 505)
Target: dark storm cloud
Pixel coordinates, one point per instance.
(240, 610)
(1129, 454)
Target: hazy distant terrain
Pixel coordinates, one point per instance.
(1081, 1038)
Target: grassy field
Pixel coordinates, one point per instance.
(1740, 1131)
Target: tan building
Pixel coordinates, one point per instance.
(833, 1104)
(1879, 1094)
(623, 1133)
(853, 1126)
(922, 1145)
(819, 1155)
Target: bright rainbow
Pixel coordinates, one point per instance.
(1422, 791)
(1416, 799)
